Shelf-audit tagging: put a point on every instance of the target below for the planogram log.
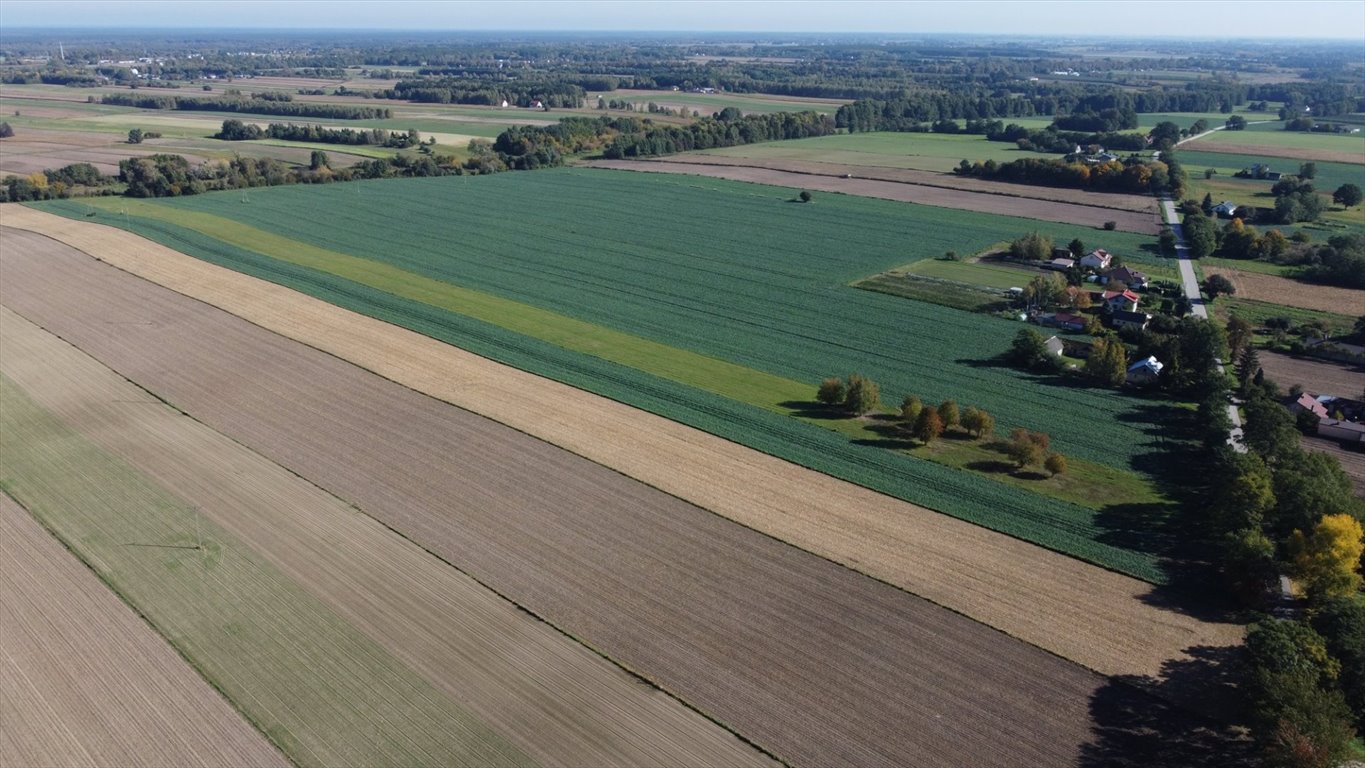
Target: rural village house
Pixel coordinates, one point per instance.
(1119, 301)
(1129, 277)
(1226, 209)
(1054, 345)
(1309, 404)
(1144, 371)
(1125, 319)
(1098, 259)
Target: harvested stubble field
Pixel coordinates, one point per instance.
(1097, 618)
(1321, 377)
(1290, 292)
(729, 338)
(85, 682)
(1242, 143)
(1139, 203)
(819, 664)
(560, 703)
(937, 195)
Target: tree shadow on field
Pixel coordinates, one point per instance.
(1141, 721)
(891, 434)
(810, 409)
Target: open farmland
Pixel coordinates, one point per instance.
(1274, 142)
(1100, 619)
(1292, 293)
(959, 199)
(645, 321)
(85, 682)
(1321, 377)
(820, 664)
(1330, 175)
(561, 703)
(940, 152)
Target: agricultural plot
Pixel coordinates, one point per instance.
(1097, 618)
(1321, 377)
(85, 682)
(1271, 140)
(708, 103)
(818, 663)
(561, 703)
(1329, 176)
(1292, 293)
(641, 315)
(938, 152)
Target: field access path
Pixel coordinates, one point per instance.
(818, 664)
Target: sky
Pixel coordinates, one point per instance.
(1065, 18)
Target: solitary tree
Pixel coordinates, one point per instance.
(1308, 170)
(1055, 464)
(1347, 195)
(831, 391)
(135, 136)
(1217, 285)
(1076, 247)
(805, 196)
(6, 131)
(928, 426)
(862, 395)
(948, 413)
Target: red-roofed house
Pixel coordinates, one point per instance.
(1120, 301)
(1097, 259)
(1307, 402)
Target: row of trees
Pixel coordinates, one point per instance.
(236, 130)
(255, 106)
(173, 175)
(489, 91)
(1134, 176)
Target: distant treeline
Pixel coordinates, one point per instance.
(73, 78)
(530, 147)
(1114, 176)
(173, 176)
(557, 94)
(236, 130)
(255, 106)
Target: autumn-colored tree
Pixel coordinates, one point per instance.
(948, 413)
(1108, 361)
(861, 395)
(1328, 560)
(910, 408)
(831, 391)
(1028, 448)
(1055, 464)
(928, 426)
(978, 422)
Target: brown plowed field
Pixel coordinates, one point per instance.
(813, 661)
(1321, 377)
(1100, 619)
(1292, 293)
(1045, 210)
(1139, 203)
(556, 700)
(85, 682)
(1270, 150)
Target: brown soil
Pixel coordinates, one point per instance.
(1292, 293)
(1270, 150)
(85, 682)
(1046, 210)
(1138, 203)
(555, 699)
(1321, 377)
(811, 660)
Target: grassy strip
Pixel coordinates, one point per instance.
(320, 690)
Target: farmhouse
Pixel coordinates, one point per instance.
(1054, 345)
(1308, 404)
(1098, 259)
(1064, 320)
(1125, 319)
(1118, 301)
(1061, 265)
(1226, 209)
(1144, 371)
(1129, 277)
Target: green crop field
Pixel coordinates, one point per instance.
(939, 152)
(1329, 175)
(715, 303)
(297, 669)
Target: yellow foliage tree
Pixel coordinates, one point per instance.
(1327, 561)
(38, 179)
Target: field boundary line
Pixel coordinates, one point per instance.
(984, 575)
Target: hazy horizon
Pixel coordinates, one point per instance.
(1333, 20)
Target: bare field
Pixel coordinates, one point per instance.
(1046, 210)
(1270, 150)
(819, 664)
(560, 703)
(85, 682)
(1321, 377)
(1136, 203)
(36, 150)
(1292, 293)
(1097, 618)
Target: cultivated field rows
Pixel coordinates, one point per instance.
(557, 701)
(1102, 620)
(1027, 207)
(85, 682)
(1292, 293)
(816, 663)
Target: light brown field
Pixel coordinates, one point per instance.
(1292, 293)
(1137, 203)
(1293, 153)
(1102, 620)
(817, 663)
(1321, 377)
(1046, 210)
(555, 699)
(85, 682)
